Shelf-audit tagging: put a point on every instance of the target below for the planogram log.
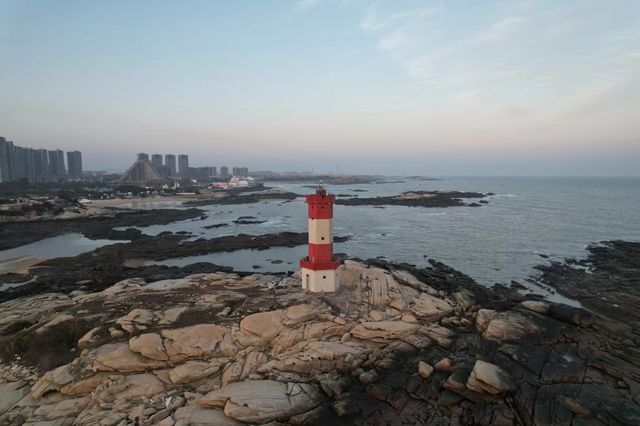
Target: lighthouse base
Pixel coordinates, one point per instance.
(319, 281)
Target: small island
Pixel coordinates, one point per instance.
(418, 199)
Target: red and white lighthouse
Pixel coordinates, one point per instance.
(318, 270)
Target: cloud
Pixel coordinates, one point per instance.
(375, 20)
(307, 4)
(499, 30)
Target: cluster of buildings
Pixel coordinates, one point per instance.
(37, 165)
(157, 168)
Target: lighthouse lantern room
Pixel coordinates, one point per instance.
(318, 270)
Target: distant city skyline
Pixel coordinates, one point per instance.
(389, 87)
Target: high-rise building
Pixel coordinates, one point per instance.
(74, 163)
(56, 163)
(24, 163)
(142, 156)
(6, 154)
(240, 171)
(41, 163)
(156, 160)
(33, 165)
(183, 165)
(224, 171)
(170, 162)
(203, 173)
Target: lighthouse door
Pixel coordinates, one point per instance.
(307, 281)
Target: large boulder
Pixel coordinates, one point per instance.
(382, 329)
(300, 313)
(137, 319)
(135, 386)
(350, 273)
(258, 329)
(118, 357)
(192, 371)
(52, 380)
(510, 327)
(62, 412)
(11, 393)
(196, 415)
(431, 308)
(261, 401)
(198, 341)
(150, 346)
(489, 378)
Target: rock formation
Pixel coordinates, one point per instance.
(395, 345)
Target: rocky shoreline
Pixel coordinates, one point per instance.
(105, 266)
(15, 234)
(232, 198)
(606, 281)
(420, 199)
(395, 345)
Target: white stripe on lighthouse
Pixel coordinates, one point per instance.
(317, 281)
(320, 231)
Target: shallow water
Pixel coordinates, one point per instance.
(286, 259)
(19, 259)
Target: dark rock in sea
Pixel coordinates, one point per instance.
(239, 198)
(516, 285)
(416, 199)
(611, 286)
(483, 202)
(276, 261)
(216, 225)
(474, 205)
(248, 222)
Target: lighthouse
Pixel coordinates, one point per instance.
(318, 270)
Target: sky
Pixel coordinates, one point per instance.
(436, 88)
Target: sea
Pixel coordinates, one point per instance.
(529, 221)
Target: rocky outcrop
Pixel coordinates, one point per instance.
(262, 401)
(487, 377)
(416, 199)
(396, 345)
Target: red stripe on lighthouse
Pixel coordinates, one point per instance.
(314, 266)
(320, 252)
(320, 205)
(320, 211)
